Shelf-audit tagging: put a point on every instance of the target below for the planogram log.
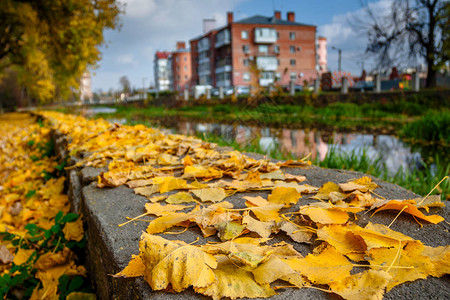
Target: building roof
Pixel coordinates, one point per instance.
(268, 21)
(162, 54)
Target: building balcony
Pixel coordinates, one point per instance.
(265, 36)
(226, 68)
(222, 38)
(204, 72)
(224, 83)
(267, 63)
(266, 81)
(204, 60)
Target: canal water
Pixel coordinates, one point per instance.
(389, 150)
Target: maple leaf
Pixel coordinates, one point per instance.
(175, 263)
(368, 285)
(234, 282)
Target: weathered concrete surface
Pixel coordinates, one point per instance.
(109, 248)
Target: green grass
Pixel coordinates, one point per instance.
(433, 127)
(419, 181)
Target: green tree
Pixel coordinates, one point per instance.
(408, 31)
(52, 42)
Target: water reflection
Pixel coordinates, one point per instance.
(299, 142)
(393, 153)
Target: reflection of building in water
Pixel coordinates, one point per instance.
(299, 142)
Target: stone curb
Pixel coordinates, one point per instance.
(109, 248)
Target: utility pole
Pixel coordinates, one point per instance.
(339, 57)
(143, 87)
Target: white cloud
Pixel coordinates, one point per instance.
(151, 25)
(344, 35)
(125, 59)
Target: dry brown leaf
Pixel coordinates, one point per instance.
(5, 255)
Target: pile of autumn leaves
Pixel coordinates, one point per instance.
(27, 196)
(176, 170)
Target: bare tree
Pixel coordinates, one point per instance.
(125, 83)
(410, 31)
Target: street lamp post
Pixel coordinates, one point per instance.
(339, 57)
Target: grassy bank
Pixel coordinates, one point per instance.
(370, 117)
(420, 181)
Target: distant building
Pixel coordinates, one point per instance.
(162, 70)
(282, 50)
(85, 87)
(322, 54)
(181, 67)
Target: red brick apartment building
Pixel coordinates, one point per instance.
(181, 67)
(283, 50)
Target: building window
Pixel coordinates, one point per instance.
(185, 68)
(245, 48)
(244, 34)
(185, 77)
(292, 49)
(292, 62)
(185, 58)
(278, 62)
(292, 36)
(177, 59)
(278, 35)
(178, 77)
(293, 76)
(246, 77)
(276, 49)
(178, 68)
(245, 61)
(263, 49)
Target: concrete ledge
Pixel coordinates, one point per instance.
(109, 248)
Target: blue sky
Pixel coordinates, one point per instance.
(151, 25)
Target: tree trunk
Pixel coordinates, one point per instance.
(431, 76)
